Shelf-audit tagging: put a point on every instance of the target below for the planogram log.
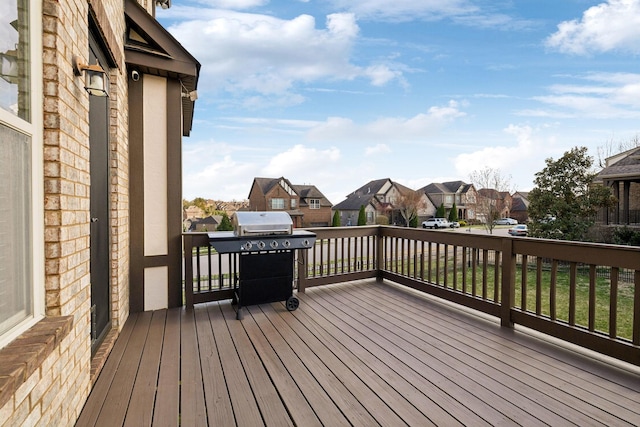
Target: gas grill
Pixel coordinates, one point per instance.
(266, 242)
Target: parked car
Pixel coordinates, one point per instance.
(436, 223)
(518, 230)
(505, 221)
(454, 224)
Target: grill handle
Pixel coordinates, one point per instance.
(266, 232)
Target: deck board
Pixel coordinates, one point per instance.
(192, 406)
(143, 395)
(168, 388)
(551, 384)
(362, 353)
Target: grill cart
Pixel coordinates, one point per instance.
(266, 242)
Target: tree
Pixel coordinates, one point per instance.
(565, 200)
(610, 148)
(441, 211)
(408, 204)
(225, 223)
(453, 213)
(494, 197)
(336, 219)
(362, 216)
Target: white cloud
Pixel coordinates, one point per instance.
(405, 10)
(416, 128)
(299, 159)
(596, 96)
(520, 161)
(226, 176)
(462, 12)
(377, 149)
(262, 58)
(233, 4)
(610, 26)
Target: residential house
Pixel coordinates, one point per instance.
(315, 207)
(95, 97)
(209, 223)
(447, 193)
(381, 199)
(306, 205)
(193, 212)
(493, 204)
(622, 174)
(520, 206)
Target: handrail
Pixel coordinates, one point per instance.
(563, 289)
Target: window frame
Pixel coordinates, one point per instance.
(273, 204)
(314, 203)
(34, 129)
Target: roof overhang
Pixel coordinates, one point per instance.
(150, 49)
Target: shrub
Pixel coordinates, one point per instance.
(336, 219)
(626, 236)
(382, 220)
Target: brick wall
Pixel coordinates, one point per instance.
(51, 380)
(312, 217)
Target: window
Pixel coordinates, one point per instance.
(21, 210)
(314, 203)
(369, 217)
(294, 203)
(277, 204)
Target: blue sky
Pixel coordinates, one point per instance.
(335, 93)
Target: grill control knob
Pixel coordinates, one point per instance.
(247, 246)
(286, 243)
(305, 242)
(261, 245)
(274, 244)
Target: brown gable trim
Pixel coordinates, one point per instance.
(99, 15)
(164, 56)
(171, 55)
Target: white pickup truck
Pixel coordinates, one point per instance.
(436, 223)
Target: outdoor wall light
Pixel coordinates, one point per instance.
(165, 4)
(94, 77)
(193, 95)
(9, 66)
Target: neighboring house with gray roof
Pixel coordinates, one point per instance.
(306, 205)
(209, 223)
(459, 192)
(622, 174)
(380, 198)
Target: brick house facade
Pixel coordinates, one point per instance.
(50, 351)
(306, 205)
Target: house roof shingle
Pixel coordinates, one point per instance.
(362, 196)
(627, 167)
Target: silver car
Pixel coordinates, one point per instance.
(505, 221)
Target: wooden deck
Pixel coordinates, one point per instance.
(361, 353)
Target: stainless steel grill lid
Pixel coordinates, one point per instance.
(261, 223)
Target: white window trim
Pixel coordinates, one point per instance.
(34, 128)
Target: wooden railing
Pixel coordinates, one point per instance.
(585, 294)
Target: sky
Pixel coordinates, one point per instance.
(336, 93)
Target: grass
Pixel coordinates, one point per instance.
(624, 312)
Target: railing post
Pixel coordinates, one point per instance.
(188, 270)
(302, 270)
(379, 254)
(508, 282)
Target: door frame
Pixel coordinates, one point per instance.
(104, 304)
